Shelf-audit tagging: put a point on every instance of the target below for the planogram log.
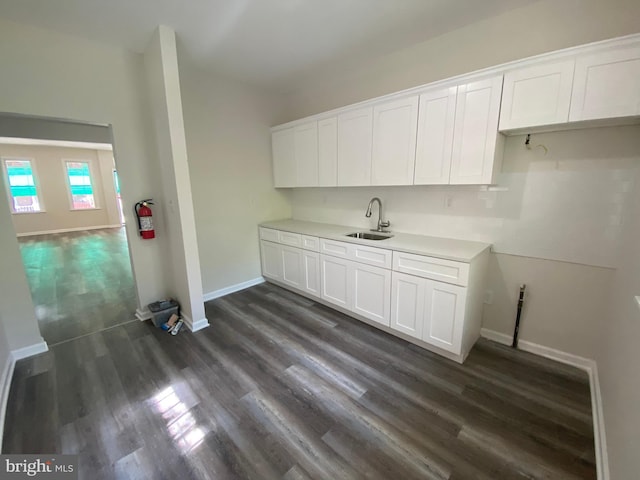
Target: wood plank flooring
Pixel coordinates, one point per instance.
(282, 388)
(81, 282)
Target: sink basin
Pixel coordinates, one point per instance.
(369, 236)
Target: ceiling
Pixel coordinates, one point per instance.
(270, 43)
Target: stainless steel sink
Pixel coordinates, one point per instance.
(368, 236)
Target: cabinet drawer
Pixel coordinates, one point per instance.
(438, 269)
(371, 256)
(288, 238)
(336, 249)
(268, 234)
(311, 243)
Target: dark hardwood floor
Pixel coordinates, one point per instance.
(282, 388)
(81, 282)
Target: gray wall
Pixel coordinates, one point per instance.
(20, 126)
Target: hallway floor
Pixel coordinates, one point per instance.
(81, 282)
(280, 387)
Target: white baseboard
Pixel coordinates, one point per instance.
(195, 326)
(143, 314)
(496, 336)
(64, 230)
(5, 385)
(600, 437)
(585, 364)
(30, 351)
(232, 289)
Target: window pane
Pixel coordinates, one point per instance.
(24, 196)
(80, 185)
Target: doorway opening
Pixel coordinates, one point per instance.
(66, 210)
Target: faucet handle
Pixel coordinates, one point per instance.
(382, 225)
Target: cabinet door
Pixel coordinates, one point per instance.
(475, 137)
(284, 158)
(371, 292)
(444, 315)
(334, 281)
(394, 142)
(271, 259)
(328, 152)
(436, 117)
(355, 132)
(306, 154)
(537, 95)
(292, 266)
(606, 85)
(407, 304)
(311, 272)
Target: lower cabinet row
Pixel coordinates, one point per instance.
(431, 311)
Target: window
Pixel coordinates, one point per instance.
(21, 181)
(80, 185)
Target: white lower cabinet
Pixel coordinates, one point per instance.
(311, 272)
(334, 278)
(436, 301)
(371, 289)
(407, 304)
(292, 266)
(444, 310)
(360, 288)
(271, 256)
(428, 310)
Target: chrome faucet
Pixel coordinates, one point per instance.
(381, 224)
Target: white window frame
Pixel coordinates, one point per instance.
(92, 178)
(36, 183)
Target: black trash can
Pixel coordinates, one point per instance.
(161, 311)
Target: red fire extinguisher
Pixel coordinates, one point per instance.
(145, 223)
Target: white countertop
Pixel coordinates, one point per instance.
(447, 248)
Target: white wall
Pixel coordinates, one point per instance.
(229, 144)
(17, 312)
(541, 27)
(619, 353)
(56, 75)
(184, 282)
(565, 206)
(54, 192)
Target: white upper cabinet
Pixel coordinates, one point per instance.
(606, 85)
(328, 152)
(355, 136)
(449, 132)
(394, 142)
(284, 158)
(435, 136)
(306, 154)
(477, 145)
(537, 95)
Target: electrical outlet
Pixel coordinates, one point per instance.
(488, 297)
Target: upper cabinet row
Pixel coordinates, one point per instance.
(600, 86)
(445, 135)
(450, 134)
